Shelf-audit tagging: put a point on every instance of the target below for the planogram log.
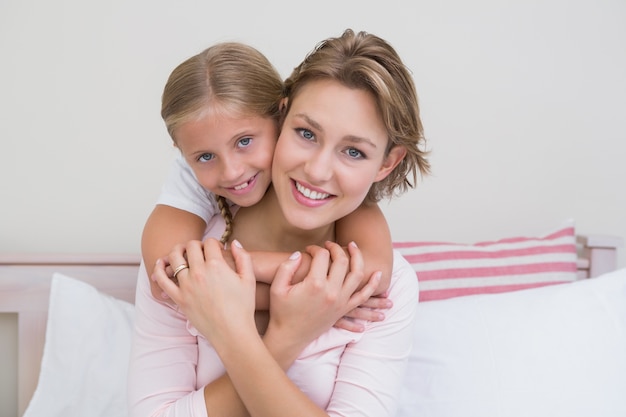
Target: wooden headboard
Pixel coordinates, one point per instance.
(25, 285)
(24, 290)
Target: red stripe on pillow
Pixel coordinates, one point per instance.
(432, 295)
(482, 254)
(496, 271)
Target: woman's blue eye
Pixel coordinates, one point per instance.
(306, 133)
(355, 153)
(244, 142)
(206, 157)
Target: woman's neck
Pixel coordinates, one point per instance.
(263, 227)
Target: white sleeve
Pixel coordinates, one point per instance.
(182, 190)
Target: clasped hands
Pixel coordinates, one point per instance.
(218, 298)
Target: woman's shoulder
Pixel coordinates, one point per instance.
(404, 282)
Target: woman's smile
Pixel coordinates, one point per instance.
(308, 196)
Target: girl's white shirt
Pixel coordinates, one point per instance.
(182, 190)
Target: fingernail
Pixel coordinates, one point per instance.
(353, 244)
(165, 296)
(237, 243)
(294, 255)
(153, 277)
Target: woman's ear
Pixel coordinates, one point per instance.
(393, 158)
(282, 106)
(282, 109)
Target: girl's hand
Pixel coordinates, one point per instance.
(368, 311)
(218, 301)
(301, 312)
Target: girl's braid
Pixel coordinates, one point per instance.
(228, 218)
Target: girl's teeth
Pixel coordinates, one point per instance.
(313, 195)
(241, 186)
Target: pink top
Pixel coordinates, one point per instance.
(345, 373)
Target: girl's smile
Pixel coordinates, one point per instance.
(244, 187)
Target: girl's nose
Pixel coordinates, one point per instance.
(232, 169)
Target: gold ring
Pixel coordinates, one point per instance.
(180, 268)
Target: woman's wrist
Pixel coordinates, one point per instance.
(283, 348)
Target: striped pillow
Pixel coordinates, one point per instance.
(447, 270)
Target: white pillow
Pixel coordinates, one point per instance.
(86, 353)
(550, 351)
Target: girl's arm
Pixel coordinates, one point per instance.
(167, 227)
(266, 265)
(368, 227)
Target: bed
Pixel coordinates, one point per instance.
(25, 284)
(25, 281)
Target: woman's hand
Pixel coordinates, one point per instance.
(301, 312)
(218, 301)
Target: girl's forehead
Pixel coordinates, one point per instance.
(210, 130)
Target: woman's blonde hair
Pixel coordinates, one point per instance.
(365, 61)
(226, 77)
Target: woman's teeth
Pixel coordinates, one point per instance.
(313, 195)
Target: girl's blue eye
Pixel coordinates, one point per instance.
(206, 157)
(244, 142)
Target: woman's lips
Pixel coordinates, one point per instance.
(309, 197)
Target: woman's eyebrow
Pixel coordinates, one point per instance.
(351, 138)
(310, 121)
(361, 140)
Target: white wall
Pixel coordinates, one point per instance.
(523, 103)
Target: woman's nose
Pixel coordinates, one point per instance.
(319, 167)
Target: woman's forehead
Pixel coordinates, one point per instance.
(330, 105)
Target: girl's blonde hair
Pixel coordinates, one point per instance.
(365, 61)
(226, 77)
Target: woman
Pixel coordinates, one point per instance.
(351, 133)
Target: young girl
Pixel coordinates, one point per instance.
(221, 108)
(351, 133)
